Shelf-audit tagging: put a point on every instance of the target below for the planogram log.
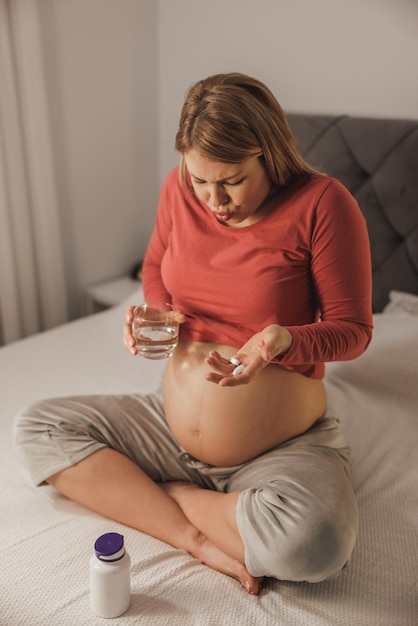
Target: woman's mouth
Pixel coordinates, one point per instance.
(222, 216)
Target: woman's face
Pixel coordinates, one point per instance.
(234, 192)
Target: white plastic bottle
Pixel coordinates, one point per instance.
(110, 576)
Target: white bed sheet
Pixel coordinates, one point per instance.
(47, 540)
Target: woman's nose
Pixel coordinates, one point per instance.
(218, 196)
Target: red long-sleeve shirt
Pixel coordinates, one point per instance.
(305, 266)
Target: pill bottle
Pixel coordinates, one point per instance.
(110, 576)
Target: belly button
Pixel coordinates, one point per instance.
(196, 432)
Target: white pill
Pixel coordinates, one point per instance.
(238, 370)
(234, 361)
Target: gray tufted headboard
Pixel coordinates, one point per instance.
(377, 160)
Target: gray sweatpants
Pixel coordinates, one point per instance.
(296, 514)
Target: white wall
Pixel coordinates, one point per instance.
(100, 61)
(117, 72)
(329, 56)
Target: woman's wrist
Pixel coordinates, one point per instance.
(287, 343)
(276, 341)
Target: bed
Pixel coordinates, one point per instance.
(47, 540)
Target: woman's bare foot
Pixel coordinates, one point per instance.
(208, 553)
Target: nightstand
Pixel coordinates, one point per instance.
(104, 295)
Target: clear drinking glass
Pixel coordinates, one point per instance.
(155, 329)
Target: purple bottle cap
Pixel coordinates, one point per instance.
(110, 547)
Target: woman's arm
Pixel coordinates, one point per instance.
(342, 280)
(153, 286)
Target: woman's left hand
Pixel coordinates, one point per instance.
(254, 355)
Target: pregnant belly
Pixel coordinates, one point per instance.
(229, 425)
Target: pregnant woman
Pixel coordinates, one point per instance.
(234, 458)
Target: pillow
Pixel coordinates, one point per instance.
(402, 302)
(389, 365)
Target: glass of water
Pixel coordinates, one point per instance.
(155, 329)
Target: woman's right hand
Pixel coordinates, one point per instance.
(128, 338)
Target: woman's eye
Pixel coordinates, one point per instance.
(235, 184)
(226, 183)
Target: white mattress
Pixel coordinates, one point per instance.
(47, 540)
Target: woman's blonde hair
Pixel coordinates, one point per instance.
(233, 117)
